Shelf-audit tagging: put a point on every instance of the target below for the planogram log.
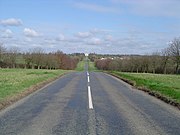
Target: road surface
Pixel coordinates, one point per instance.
(89, 103)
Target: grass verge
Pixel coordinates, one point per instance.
(18, 83)
(164, 87)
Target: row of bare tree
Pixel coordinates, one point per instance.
(36, 59)
(166, 61)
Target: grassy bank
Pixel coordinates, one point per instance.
(14, 81)
(166, 85)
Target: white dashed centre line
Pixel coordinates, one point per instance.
(90, 98)
(88, 79)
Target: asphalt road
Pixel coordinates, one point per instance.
(64, 107)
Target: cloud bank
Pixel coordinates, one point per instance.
(30, 32)
(11, 22)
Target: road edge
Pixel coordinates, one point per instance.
(150, 92)
(11, 100)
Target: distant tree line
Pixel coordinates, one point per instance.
(37, 58)
(166, 62)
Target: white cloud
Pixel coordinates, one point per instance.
(94, 41)
(61, 37)
(100, 31)
(11, 22)
(7, 33)
(96, 8)
(83, 34)
(108, 38)
(50, 41)
(28, 39)
(30, 32)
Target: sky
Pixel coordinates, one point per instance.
(90, 26)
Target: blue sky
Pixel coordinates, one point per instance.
(100, 26)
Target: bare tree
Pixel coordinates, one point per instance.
(12, 53)
(113, 65)
(51, 61)
(59, 56)
(174, 50)
(2, 52)
(164, 59)
(154, 60)
(135, 63)
(37, 56)
(145, 63)
(28, 60)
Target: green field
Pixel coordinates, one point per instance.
(13, 81)
(166, 85)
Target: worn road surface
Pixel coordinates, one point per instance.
(89, 103)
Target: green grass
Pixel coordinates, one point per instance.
(13, 81)
(167, 85)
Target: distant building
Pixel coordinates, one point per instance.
(86, 54)
(107, 58)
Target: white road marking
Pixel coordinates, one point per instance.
(88, 79)
(90, 98)
(87, 73)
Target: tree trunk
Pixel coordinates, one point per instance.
(137, 70)
(14, 66)
(164, 68)
(177, 68)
